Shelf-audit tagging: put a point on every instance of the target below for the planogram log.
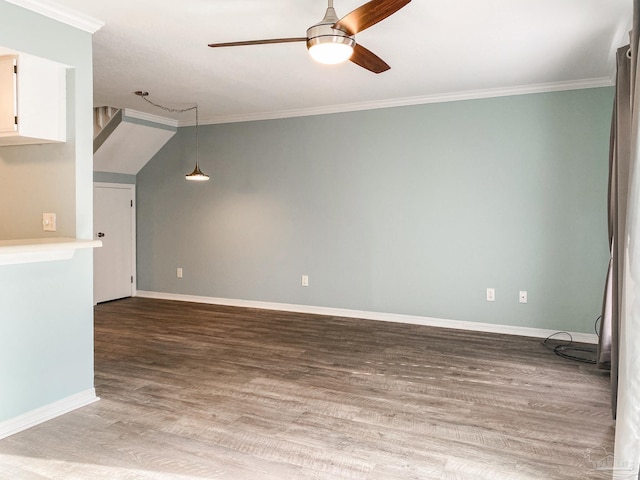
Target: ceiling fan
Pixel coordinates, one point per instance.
(332, 40)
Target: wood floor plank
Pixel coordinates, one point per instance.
(193, 391)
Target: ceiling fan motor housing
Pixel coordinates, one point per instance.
(323, 33)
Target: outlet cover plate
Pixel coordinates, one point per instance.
(491, 294)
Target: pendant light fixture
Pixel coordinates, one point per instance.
(197, 174)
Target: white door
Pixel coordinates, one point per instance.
(114, 223)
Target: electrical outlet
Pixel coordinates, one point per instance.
(491, 294)
(522, 296)
(179, 272)
(305, 280)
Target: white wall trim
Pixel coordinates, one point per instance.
(409, 101)
(62, 14)
(127, 112)
(48, 412)
(384, 317)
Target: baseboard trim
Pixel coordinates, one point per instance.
(384, 317)
(48, 412)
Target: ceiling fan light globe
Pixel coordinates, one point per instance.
(331, 53)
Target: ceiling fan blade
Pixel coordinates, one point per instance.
(369, 14)
(258, 42)
(369, 60)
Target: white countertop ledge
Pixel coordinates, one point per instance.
(42, 249)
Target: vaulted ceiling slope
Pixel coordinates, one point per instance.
(438, 50)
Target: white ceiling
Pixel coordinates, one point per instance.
(437, 49)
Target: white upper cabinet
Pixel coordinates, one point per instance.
(8, 100)
(32, 100)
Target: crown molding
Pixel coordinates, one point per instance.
(62, 14)
(150, 117)
(409, 101)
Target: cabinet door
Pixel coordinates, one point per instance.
(8, 98)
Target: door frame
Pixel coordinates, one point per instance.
(132, 189)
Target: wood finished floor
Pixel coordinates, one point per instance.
(193, 392)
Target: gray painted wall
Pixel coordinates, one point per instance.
(412, 210)
(46, 309)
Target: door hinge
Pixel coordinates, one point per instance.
(15, 69)
(15, 120)
(131, 278)
(132, 203)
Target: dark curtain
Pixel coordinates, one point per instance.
(619, 165)
(622, 307)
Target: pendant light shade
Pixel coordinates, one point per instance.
(197, 175)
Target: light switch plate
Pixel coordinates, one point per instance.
(49, 222)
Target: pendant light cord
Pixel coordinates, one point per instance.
(144, 96)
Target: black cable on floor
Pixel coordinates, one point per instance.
(570, 352)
